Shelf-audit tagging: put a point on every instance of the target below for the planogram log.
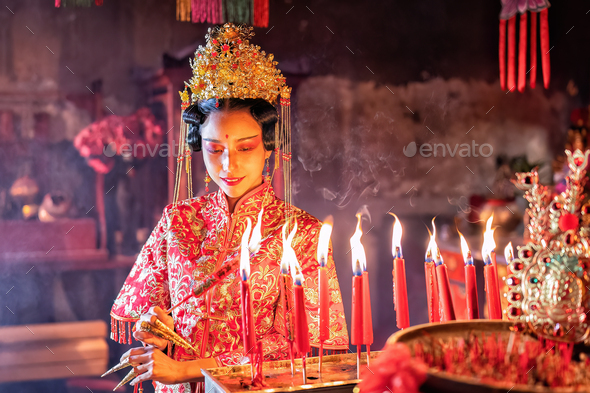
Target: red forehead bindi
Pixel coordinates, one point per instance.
(226, 136)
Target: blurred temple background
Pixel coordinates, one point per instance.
(371, 82)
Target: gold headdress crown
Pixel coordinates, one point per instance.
(549, 281)
(228, 66)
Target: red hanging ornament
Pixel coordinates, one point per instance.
(522, 53)
(508, 17)
(533, 59)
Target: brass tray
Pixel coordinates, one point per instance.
(338, 375)
(440, 381)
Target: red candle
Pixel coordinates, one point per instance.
(288, 261)
(356, 330)
(490, 272)
(359, 262)
(400, 293)
(446, 301)
(493, 295)
(470, 281)
(286, 285)
(301, 328)
(324, 304)
(471, 292)
(366, 310)
(323, 288)
(248, 333)
(432, 292)
(431, 279)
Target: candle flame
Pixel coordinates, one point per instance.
(324, 241)
(464, 247)
(396, 238)
(509, 252)
(358, 251)
(245, 253)
(289, 258)
(432, 249)
(488, 240)
(254, 244)
(298, 278)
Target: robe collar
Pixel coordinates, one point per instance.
(263, 194)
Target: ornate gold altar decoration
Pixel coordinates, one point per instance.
(228, 66)
(549, 280)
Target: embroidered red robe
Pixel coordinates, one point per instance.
(195, 237)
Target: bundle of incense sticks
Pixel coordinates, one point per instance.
(494, 360)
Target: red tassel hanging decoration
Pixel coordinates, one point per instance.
(545, 48)
(261, 13)
(98, 2)
(129, 332)
(502, 53)
(196, 10)
(522, 53)
(512, 53)
(122, 338)
(58, 3)
(114, 335)
(533, 63)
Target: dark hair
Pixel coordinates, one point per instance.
(261, 110)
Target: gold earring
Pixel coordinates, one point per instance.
(267, 177)
(207, 181)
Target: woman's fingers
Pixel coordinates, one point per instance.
(144, 376)
(162, 316)
(132, 352)
(147, 338)
(142, 358)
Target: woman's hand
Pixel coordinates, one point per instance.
(150, 363)
(150, 317)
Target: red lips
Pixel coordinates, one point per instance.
(232, 181)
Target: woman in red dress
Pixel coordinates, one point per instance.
(196, 236)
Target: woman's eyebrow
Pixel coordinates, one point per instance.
(246, 138)
(239, 140)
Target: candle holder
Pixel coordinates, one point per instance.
(339, 375)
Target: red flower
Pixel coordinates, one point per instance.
(225, 47)
(213, 66)
(237, 53)
(213, 54)
(214, 41)
(394, 370)
(239, 41)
